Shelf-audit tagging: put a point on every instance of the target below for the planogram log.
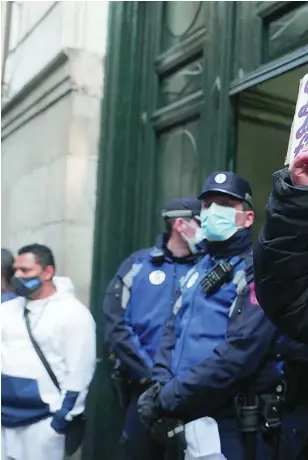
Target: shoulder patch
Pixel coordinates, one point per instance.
(253, 297)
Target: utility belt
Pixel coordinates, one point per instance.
(261, 411)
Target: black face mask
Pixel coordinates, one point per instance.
(26, 287)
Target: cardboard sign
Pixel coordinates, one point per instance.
(299, 131)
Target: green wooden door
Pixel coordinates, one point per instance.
(164, 121)
(270, 38)
(191, 114)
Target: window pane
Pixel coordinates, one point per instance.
(182, 83)
(178, 162)
(288, 33)
(181, 19)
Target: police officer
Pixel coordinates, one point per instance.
(216, 348)
(138, 302)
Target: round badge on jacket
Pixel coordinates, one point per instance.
(157, 277)
(192, 280)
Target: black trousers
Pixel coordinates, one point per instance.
(137, 439)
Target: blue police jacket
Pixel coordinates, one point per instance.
(137, 304)
(212, 344)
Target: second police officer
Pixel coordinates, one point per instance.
(217, 347)
(138, 302)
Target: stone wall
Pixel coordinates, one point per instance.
(50, 133)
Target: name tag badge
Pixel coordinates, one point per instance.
(157, 277)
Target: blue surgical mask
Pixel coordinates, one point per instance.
(218, 222)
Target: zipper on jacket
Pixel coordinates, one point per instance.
(173, 289)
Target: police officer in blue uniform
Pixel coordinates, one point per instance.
(137, 304)
(216, 348)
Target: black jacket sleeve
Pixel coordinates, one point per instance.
(281, 258)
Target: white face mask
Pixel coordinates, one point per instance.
(193, 241)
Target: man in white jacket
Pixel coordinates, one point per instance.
(35, 414)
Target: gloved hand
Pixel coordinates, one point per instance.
(149, 407)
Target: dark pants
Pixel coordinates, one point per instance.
(294, 434)
(139, 445)
(293, 440)
(290, 444)
(233, 442)
(138, 442)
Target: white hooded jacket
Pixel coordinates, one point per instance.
(65, 331)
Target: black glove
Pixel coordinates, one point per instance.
(149, 407)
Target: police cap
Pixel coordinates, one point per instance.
(182, 207)
(228, 183)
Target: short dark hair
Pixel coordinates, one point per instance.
(7, 262)
(247, 206)
(43, 254)
(169, 225)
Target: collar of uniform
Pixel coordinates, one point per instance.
(190, 259)
(161, 243)
(238, 244)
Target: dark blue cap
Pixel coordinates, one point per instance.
(228, 183)
(182, 207)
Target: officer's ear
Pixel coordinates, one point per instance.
(179, 225)
(249, 219)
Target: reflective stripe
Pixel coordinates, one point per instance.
(125, 297)
(238, 279)
(185, 278)
(241, 282)
(127, 284)
(177, 305)
(182, 282)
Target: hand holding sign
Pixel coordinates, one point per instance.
(299, 168)
(299, 131)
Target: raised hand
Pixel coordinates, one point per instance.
(299, 168)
